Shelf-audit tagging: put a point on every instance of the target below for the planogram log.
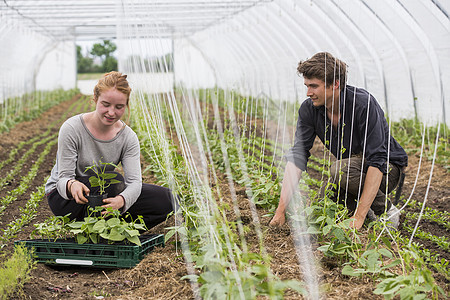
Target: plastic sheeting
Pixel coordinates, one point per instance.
(30, 61)
(398, 50)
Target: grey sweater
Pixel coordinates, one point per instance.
(78, 149)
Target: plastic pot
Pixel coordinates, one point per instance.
(96, 200)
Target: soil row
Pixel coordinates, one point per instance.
(159, 274)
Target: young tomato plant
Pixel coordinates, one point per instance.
(101, 178)
(111, 227)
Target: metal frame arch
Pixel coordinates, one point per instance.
(399, 47)
(442, 8)
(252, 40)
(285, 47)
(282, 30)
(228, 41)
(239, 56)
(262, 46)
(352, 26)
(420, 33)
(204, 56)
(347, 42)
(438, 13)
(299, 28)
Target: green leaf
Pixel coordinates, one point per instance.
(168, 235)
(140, 226)
(191, 277)
(324, 248)
(339, 234)
(212, 276)
(91, 220)
(75, 225)
(326, 229)
(372, 261)
(100, 226)
(393, 264)
(349, 271)
(134, 240)
(132, 232)
(94, 181)
(115, 235)
(108, 175)
(388, 286)
(113, 222)
(385, 252)
(386, 241)
(313, 230)
(81, 239)
(320, 219)
(114, 181)
(296, 286)
(309, 210)
(94, 237)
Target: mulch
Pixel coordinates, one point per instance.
(158, 275)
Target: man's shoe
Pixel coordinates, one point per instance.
(371, 216)
(393, 217)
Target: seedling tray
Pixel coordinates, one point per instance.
(69, 253)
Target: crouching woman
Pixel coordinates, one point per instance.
(101, 135)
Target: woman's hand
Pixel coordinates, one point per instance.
(115, 203)
(78, 189)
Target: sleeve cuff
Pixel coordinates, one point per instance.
(61, 186)
(382, 167)
(299, 163)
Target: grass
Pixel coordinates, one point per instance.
(89, 76)
(15, 271)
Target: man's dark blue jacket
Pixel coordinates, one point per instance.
(362, 129)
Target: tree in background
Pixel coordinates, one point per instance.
(104, 51)
(84, 63)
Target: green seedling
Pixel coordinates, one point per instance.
(101, 178)
(111, 226)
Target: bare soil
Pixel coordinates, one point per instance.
(158, 275)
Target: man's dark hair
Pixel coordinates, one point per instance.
(325, 67)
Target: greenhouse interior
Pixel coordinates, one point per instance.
(227, 113)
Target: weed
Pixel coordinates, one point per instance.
(15, 271)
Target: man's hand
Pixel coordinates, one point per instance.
(115, 203)
(278, 220)
(356, 222)
(371, 186)
(291, 177)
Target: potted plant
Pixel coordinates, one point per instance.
(101, 179)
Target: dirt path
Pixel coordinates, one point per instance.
(158, 275)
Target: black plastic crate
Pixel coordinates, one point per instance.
(69, 253)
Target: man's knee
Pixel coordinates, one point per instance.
(338, 169)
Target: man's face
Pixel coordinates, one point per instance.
(319, 94)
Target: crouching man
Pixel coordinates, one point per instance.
(351, 124)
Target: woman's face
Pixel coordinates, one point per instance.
(110, 106)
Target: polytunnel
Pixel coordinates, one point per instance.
(217, 115)
(397, 50)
